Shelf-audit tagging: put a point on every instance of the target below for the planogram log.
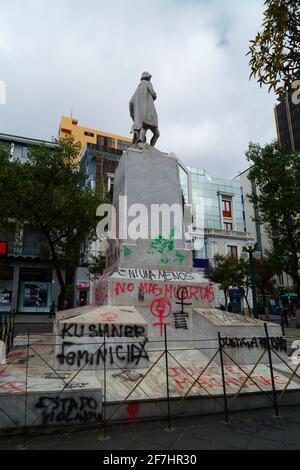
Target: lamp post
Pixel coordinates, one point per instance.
(252, 253)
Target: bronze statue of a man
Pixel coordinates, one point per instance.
(143, 112)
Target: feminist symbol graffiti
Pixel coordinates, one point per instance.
(161, 308)
(109, 317)
(180, 318)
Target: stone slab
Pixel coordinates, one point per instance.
(243, 338)
(85, 340)
(48, 408)
(189, 373)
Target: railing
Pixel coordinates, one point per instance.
(7, 328)
(22, 251)
(218, 376)
(232, 233)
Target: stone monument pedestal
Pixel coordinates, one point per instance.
(88, 338)
(149, 178)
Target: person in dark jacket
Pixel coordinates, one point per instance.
(52, 310)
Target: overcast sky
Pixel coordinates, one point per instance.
(88, 56)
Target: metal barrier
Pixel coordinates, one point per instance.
(7, 328)
(70, 403)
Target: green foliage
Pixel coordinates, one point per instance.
(275, 51)
(46, 192)
(278, 200)
(230, 272)
(265, 269)
(97, 266)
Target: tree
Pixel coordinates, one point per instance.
(277, 177)
(242, 280)
(230, 272)
(47, 192)
(275, 51)
(220, 274)
(97, 266)
(265, 270)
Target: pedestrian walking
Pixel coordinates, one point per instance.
(52, 309)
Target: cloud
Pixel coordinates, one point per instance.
(63, 55)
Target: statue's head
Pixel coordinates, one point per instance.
(146, 76)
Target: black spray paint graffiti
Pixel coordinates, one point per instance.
(128, 376)
(69, 410)
(141, 295)
(122, 353)
(180, 318)
(100, 330)
(148, 274)
(278, 343)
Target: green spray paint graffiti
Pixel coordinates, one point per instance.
(165, 247)
(126, 251)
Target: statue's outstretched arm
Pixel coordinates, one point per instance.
(131, 109)
(151, 91)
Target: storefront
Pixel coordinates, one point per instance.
(6, 288)
(82, 287)
(35, 290)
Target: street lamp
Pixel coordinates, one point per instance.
(252, 253)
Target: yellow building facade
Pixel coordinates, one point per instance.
(69, 127)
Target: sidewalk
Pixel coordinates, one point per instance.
(25, 318)
(248, 430)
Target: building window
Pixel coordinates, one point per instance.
(89, 134)
(24, 152)
(280, 280)
(228, 226)
(227, 208)
(105, 142)
(123, 145)
(233, 252)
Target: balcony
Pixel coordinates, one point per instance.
(23, 252)
(227, 234)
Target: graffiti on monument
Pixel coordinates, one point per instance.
(161, 308)
(109, 330)
(277, 343)
(165, 248)
(154, 275)
(128, 375)
(126, 251)
(73, 409)
(122, 355)
(195, 293)
(211, 378)
(180, 318)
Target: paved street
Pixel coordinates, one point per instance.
(247, 430)
(33, 324)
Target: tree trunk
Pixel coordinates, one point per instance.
(264, 297)
(247, 302)
(57, 267)
(62, 284)
(226, 298)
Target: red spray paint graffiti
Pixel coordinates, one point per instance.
(167, 291)
(161, 308)
(133, 411)
(108, 317)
